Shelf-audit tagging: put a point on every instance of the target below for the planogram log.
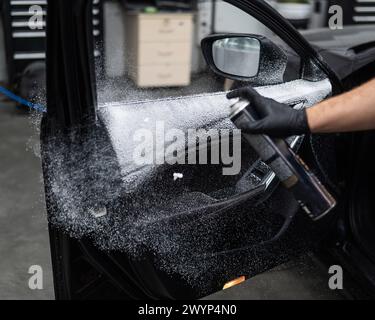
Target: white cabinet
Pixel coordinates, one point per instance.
(159, 46)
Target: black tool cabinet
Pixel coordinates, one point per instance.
(357, 12)
(25, 45)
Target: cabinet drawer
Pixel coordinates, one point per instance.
(172, 27)
(162, 53)
(163, 75)
(30, 44)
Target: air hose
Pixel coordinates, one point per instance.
(22, 101)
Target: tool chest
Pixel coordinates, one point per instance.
(358, 12)
(25, 33)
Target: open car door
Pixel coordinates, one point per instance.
(122, 229)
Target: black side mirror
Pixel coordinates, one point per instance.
(251, 58)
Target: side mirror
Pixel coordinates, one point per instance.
(249, 58)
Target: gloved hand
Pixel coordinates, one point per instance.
(275, 119)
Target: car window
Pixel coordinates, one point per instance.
(157, 54)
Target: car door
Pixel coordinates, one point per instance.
(121, 229)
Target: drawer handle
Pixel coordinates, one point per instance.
(164, 75)
(165, 53)
(166, 31)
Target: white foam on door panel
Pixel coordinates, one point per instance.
(210, 111)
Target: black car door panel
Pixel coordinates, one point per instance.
(193, 228)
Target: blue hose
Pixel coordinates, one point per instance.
(20, 100)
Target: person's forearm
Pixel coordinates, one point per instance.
(352, 111)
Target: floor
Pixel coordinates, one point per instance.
(23, 226)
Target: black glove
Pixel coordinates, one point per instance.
(275, 119)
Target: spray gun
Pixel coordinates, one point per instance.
(294, 174)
